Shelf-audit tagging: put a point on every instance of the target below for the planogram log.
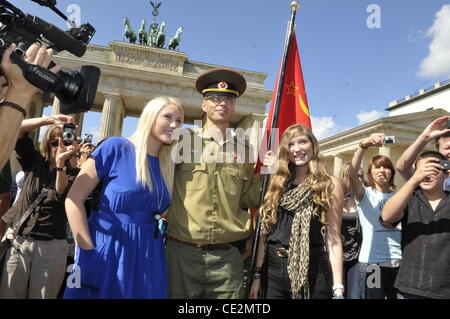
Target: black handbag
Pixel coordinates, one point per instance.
(6, 244)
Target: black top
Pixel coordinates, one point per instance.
(49, 220)
(425, 268)
(282, 231)
(351, 236)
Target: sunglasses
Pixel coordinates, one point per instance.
(55, 143)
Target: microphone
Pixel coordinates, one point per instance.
(45, 3)
(60, 38)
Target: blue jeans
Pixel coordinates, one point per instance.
(351, 280)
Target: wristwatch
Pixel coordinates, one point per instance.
(61, 168)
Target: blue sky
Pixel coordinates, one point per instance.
(351, 72)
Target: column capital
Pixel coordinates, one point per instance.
(112, 96)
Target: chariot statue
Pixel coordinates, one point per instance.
(153, 34)
(143, 36)
(161, 38)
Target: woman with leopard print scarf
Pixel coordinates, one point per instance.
(300, 250)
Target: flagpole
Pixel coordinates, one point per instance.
(287, 43)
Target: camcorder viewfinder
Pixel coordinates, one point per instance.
(75, 88)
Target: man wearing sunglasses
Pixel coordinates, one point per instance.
(36, 264)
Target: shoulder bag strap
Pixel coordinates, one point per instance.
(27, 214)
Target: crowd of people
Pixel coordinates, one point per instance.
(353, 236)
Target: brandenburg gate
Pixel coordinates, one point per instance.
(132, 75)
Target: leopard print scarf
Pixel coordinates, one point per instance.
(300, 201)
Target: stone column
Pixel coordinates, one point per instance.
(338, 161)
(56, 106)
(35, 110)
(120, 115)
(109, 114)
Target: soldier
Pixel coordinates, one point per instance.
(208, 219)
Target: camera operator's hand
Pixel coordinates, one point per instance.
(18, 85)
(374, 140)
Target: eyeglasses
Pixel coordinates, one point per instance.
(217, 99)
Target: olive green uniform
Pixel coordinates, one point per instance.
(213, 188)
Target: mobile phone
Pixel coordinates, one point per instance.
(389, 139)
(445, 164)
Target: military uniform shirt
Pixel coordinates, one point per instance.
(213, 190)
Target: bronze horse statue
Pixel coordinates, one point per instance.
(128, 31)
(143, 36)
(161, 38)
(176, 40)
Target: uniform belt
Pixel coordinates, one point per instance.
(205, 247)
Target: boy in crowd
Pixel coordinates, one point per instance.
(423, 208)
(437, 131)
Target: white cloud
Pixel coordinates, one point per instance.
(324, 127)
(437, 63)
(366, 117)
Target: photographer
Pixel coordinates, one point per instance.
(86, 148)
(439, 132)
(423, 208)
(36, 264)
(16, 94)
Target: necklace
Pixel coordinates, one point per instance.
(158, 195)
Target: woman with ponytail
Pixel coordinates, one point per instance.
(120, 248)
(300, 249)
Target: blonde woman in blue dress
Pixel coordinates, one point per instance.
(121, 252)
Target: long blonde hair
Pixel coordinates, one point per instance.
(344, 177)
(141, 140)
(317, 178)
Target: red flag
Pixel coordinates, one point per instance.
(294, 104)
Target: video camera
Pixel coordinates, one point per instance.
(75, 88)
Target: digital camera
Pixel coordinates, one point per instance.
(389, 140)
(68, 134)
(87, 138)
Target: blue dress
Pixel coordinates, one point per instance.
(128, 260)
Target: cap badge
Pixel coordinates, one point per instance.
(222, 85)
